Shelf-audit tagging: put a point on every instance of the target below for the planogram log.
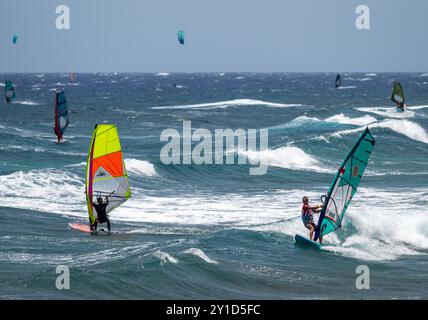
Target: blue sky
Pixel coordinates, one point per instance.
(221, 35)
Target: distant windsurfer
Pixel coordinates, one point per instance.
(398, 96)
(102, 217)
(307, 217)
(401, 106)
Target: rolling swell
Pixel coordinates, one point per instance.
(212, 231)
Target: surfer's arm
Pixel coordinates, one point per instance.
(316, 209)
(107, 201)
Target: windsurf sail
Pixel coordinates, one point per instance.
(344, 185)
(398, 93)
(14, 38)
(9, 91)
(181, 37)
(338, 81)
(106, 174)
(61, 114)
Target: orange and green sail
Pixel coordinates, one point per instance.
(106, 174)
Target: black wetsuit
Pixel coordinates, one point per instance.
(102, 214)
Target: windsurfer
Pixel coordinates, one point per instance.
(401, 106)
(307, 217)
(102, 217)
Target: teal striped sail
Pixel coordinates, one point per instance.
(344, 185)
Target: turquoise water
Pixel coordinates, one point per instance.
(214, 231)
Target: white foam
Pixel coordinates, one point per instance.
(417, 107)
(81, 260)
(27, 102)
(346, 132)
(386, 223)
(360, 121)
(364, 79)
(389, 112)
(408, 128)
(48, 190)
(200, 254)
(288, 157)
(346, 87)
(164, 257)
(300, 121)
(208, 209)
(230, 103)
(162, 74)
(140, 167)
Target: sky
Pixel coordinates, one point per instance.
(221, 36)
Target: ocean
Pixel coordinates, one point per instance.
(215, 231)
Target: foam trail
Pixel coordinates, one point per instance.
(389, 112)
(199, 253)
(417, 107)
(346, 87)
(208, 209)
(230, 103)
(346, 132)
(27, 102)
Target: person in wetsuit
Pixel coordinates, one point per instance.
(307, 217)
(102, 217)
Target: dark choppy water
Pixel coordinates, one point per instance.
(212, 231)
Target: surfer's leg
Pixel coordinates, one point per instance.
(108, 225)
(311, 231)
